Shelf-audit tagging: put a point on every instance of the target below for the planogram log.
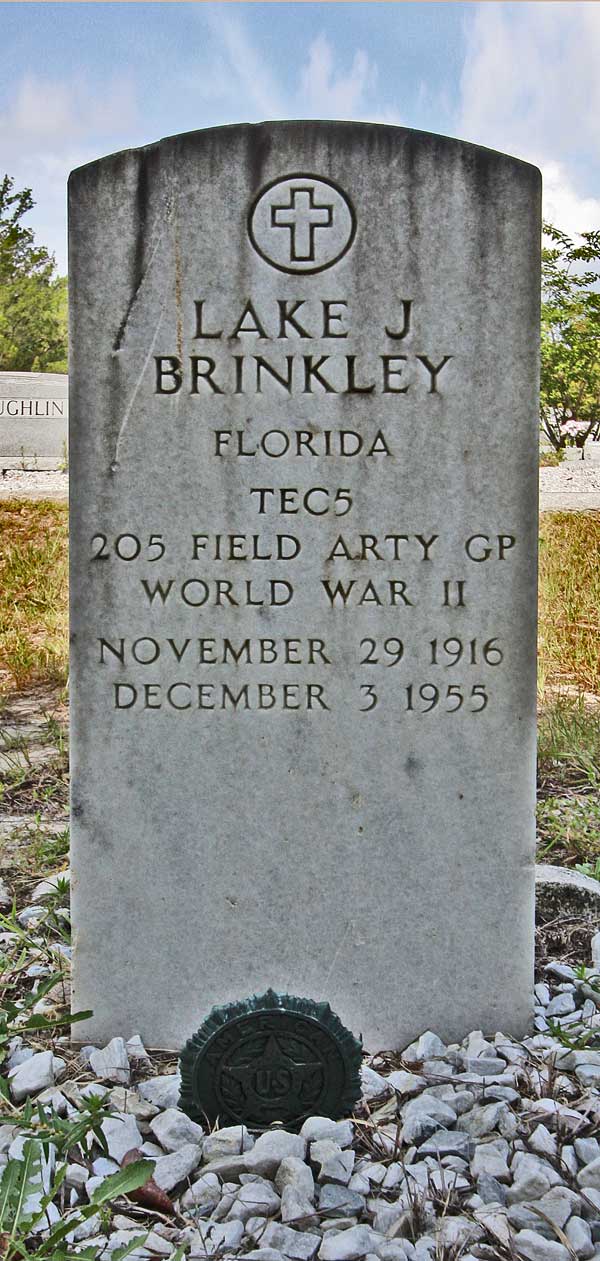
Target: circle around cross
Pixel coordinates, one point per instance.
(301, 223)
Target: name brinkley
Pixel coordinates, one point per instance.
(323, 373)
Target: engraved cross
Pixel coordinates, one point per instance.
(302, 218)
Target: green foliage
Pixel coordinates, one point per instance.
(568, 812)
(49, 850)
(22, 1179)
(33, 298)
(64, 1133)
(578, 1037)
(33, 1180)
(19, 1018)
(570, 369)
(589, 869)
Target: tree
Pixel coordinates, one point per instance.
(570, 369)
(33, 297)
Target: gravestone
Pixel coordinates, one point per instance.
(304, 513)
(34, 410)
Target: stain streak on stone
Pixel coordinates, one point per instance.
(138, 253)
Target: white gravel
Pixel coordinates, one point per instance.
(565, 479)
(26, 484)
(487, 1150)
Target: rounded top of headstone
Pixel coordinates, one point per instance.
(344, 134)
(270, 1058)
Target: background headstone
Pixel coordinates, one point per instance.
(34, 410)
(304, 476)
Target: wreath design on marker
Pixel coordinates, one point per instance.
(270, 1058)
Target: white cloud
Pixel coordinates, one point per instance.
(326, 89)
(246, 74)
(562, 204)
(530, 86)
(38, 111)
(48, 128)
(530, 79)
(321, 87)
(51, 112)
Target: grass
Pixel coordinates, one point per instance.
(32, 788)
(50, 852)
(568, 812)
(33, 594)
(569, 600)
(550, 459)
(569, 830)
(568, 746)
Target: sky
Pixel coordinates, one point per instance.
(85, 79)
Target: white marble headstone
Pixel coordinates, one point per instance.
(304, 514)
(34, 411)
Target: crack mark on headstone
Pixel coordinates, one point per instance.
(178, 292)
(128, 409)
(118, 342)
(344, 937)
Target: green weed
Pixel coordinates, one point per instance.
(568, 828)
(49, 851)
(24, 1206)
(589, 869)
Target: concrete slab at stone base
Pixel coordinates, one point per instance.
(560, 891)
(572, 501)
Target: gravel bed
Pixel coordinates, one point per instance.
(564, 479)
(482, 1151)
(28, 484)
